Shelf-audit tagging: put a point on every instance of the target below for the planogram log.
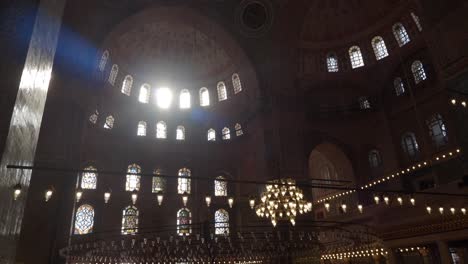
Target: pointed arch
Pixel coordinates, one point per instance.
(133, 180)
(226, 133)
(221, 222)
(89, 178)
(141, 131)
(211, 134)
(401, 36)
(419, 74)
(84, 220)
(204, 97)
(184, 99)
(355, 56)
(222, 91)
(130, 220)
(113, 74)
(127, 85)
(144, 95)
(184, 184)
(380, 49)
(236, 83)
(161, 130)
(184, 221)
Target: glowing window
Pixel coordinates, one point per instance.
(184, 221)
(410, 145)
(104, 59)
(84, 220)
(94, 117)
(364, 103)
(236, 83)
(416, 21)
(380, 49)
(163, 98)
(399, 86)
(220, 186)
(238, 129)
(144, 95)
(89, 178)
(183, 183)
(401, 35)
(355, 57)
(133, 180)
(204, 97)
(161, 130)
(375, 160)
(184, 99)
(332, 63)
(109, 124)
(418, 72)
(159, 183)
(113, 74)
(221, 222)
(437, 130)
(127, 85)
(226, 133)
(211, 135)
(222, 92)
(130, 220)
(180, 133)
(141, 129)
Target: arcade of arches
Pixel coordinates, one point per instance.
(253, 131)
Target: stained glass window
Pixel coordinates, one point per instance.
(416, 21)
(364, 103)
(159, 183)
(222, 92)
(184, 183)
(380, 49)
(104, 59)
(204, 97)
(161, 130)
(375, 160)
(109, 124)
(211, 135)
(133, 180)
(355, 57)
(418, 72)
(89, 179)
(130, 220)
(94, 117)
(144, 95)
(221, 222)
(184, 99)
(84, 219)
(399, 86)
(401, 35)
(238, 129)
(180, 133)
(437, 130)
(226, 133)
(236, 83)
(163, 97)
(332, 63)
(184, 220)
(127, 85)
(113, 74)
(410, 145)
(220, 186)
(141, 129)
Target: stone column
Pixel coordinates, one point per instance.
(444, 252)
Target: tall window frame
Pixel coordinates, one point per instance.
(161, 130)
(399, 86)
(184, 222)
(113, 74)
(222, 91)
(236, 83)
(132, 182)
(238, 129)
(103, 61)
(184, 99)
(220, 186)
(144, 95)
(226, 133)
(89, 178)
(127, 85)
(158, 183)
(204, 97)
(375, 159)
(180, 133)
(437, 130)
(211, 134)
(380, 49)
(419, 74)
(410, 145)
(109, 124)
(332, 63)
(417, 21)
(130, 220)
(184, 184)
(221, 219)
(355, 57)
(401, 35)
(84, 220)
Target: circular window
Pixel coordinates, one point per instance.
(255, 17)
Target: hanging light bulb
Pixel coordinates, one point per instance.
(343, 206)
(134, 197)
(159, 198)
(230, 202)
(376, 199)
(441, 210)
(79, 194)
(107, 196)
(273, 222)
(387, 200)
(400, 200)
(428, 209)
(208, 200)
(359, 207)
(16, 191)
(185, 198)
(327, 206)
(48, 194)
(293, 221)
(252, 203)
(463, 210)
(452, 210)
(413, 201)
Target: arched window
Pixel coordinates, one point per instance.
(141, 131)
(410, 145)
(109, 124)
(184, 99)
(184, 183)
(221, 222)
(163, 97)
(355, 57)
(364, 103)
(236, 83)
(144, 95)
(184, 220)
(180, 133)
(211, 135)
(238, 129)
(418, 72)
(380, 49)
(226, 133)
(159, 183)
(161, 130)
(332, 63)
(94, 117)
(133, 180)
(220, 186)
(437, 130)
(104, 59)
(127, 85)
(416, 21)
(401, 35)
(222, 92)
(89, 178)
(204, 97)
(130, 220)
(84, 219)
(375, 160)
(399, 86)
(113, 74)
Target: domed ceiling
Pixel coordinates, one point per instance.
(337, 19)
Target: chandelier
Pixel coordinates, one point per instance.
(282, 200)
